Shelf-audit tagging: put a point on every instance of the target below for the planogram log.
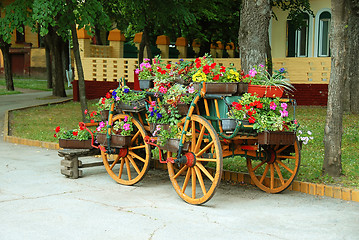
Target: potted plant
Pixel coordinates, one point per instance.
(129, 100)
(104, 106)
(78, 138)
(268, 116)
(180, 97)
(217, 79)
(121, 133)
(145, 74)
(169, 139)
(264, 84)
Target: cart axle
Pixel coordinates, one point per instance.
(189, 159)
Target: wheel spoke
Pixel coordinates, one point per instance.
(271, 176)
(285, 166)
(186, 180)
(205, 149)
(279, 172)
(121, 168)
(193, 183)
(259, 165)
(137, 147)
(180, 171)
(135, 136)
(200, 138)
(264, 173)
(134, 164)
(282, 149)
(200, 179)
(128, 168)
(206, 159)
(114, 162)
(204, 170)
(290, 157)
(136, 156)
(193, 128)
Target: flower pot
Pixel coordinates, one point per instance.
(153, 127)
(116, 140)
(146, 84)
(75, 144)
(265, 91)
(276, 138)
(181, 107)
(229, 124)
(217, 88)
(242, 88)
(172, 145)
(104, 115)
(133, 106)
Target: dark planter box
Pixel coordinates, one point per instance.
(75, 144)
(134, 106)
(172, 145)
(116, 140)
(242, 88)
(229, 124)
(217, 88)
(277, 138)
(181, 107)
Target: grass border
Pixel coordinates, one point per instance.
(321, 190)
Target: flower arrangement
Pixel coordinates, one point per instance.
(260, 76)
(145, 70)
(126, 95)
(179, 93)
(92, 116)
(160, 115)
(105, 102)
(266, 114)
(75, 134)
(123, 128)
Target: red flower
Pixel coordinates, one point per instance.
(206, 69)
(223, 69)
(198, 64)
(85, 111)
(55, 135)
(260, 105)
(57, 129)
(247, 107)
(213, 65)
(108, 95)
(250, 113)
(103, 100)
(216, 77)
(75, 133)
(237, 106)
(251, 120)
(92, 121)
(168, 66)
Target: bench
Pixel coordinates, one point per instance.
(71, 164)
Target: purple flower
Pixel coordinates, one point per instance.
(281, 70)
(126, 90)
(159, 115)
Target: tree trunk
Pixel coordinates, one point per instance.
(64, 59)
(254, 23)
(98, 36)
(48, 67)
(269, 56)
(57, 69)
(5, 49)
(352, 104)
(80, 72)
(334, 123)
(145, 42)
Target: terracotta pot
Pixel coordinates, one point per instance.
(265, 91)
(75, 144)
(172, 145)
(276, 138)
(116, 140)
(217, 88)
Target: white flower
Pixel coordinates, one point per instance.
(309, 132)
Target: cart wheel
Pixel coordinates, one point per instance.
(204, 165)
(131, 164)
(276, 169)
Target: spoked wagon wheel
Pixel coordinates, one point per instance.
(196, 181)
(130, 164)
(277, 167)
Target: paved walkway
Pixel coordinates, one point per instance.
(37, 202)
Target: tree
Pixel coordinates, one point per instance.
(15, 17)
(338, 77)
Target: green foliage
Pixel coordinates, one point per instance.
(126, 95)
(75, 134)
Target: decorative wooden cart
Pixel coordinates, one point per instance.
(273, 159)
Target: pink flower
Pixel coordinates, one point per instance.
(283, 113)
(273, 106)
(191, 90)
(137, 71)
(85, 111)
(153, 103)
(126, 126)
(295, 121)
(125, 119)
(261, 65)
(252, 72)
(118, 98)
(162, 89)
(284, 106)
(150, 108)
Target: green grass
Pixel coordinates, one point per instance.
(6, 92)
(41, 122)
(28, 83)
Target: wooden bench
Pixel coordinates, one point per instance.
(71, 163)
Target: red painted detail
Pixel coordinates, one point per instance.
(136, 83)
(122, 152)
(249, 147)
(191, 159)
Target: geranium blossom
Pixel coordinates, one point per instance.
(283, 113)
(126, 126)
(252, 72)
(272, 106)
(284, 106)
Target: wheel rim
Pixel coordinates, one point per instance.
(129, 167)
(277, 167)
(196, 184)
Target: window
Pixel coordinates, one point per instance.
(298, 39)
(323, 31)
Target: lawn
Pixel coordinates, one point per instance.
(26, 83)
(41, 122)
